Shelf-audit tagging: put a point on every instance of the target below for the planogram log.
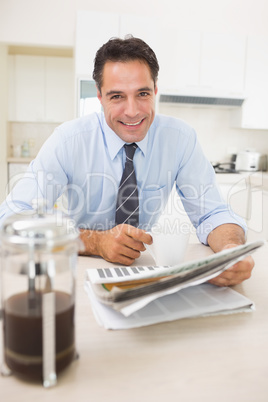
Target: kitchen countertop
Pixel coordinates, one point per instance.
(215, 358)
(256, 179)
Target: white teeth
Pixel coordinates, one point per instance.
(132, 124)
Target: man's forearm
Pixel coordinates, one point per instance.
(224, 235)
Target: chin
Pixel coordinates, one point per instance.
(132, 138)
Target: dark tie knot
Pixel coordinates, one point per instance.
(130, 150)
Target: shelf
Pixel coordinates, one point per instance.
(36, 122)
(13, 159)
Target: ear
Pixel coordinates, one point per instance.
(155, 89)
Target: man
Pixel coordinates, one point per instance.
(85, 158)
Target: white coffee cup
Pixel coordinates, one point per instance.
(168, 248)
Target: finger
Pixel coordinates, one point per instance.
(122, 260)
(129, 252)
(134, 244)
(135, 233)
(122, 255)
(125, 255)
(123, 239)
(231, 277)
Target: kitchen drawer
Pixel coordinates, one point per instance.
(235, 190)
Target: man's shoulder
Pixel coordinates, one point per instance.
(81, 126)
(172, 124)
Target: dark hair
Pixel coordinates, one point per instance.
(124, 50)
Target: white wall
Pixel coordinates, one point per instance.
(52, 22)
(217, 138)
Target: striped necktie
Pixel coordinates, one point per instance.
(127, 206)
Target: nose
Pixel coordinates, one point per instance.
(131, 107)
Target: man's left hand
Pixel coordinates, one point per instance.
(235, 274)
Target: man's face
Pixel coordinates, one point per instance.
(128, 99)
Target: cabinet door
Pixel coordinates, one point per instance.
(145, 28)
(11, 89)
(265, 215)
(93, 29)
(59, 89)
(235, 190)
(180, 60)
(255, 109)
(222, 62)
(178, 52)
(258, 214)
(29, 88)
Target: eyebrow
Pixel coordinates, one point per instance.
(115, 92)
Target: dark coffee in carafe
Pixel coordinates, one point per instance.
(23, 333)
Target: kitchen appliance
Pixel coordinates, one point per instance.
(201, 96)
(38, 294)
(88, 101)
(249, 161)
(245, 161)
(224, 167)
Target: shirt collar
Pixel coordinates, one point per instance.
(114, 143)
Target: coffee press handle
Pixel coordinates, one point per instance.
(39, 205)
(49, 347)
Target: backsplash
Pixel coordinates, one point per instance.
(33, 134)
(215, 135)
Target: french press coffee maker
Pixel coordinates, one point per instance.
(39, 253)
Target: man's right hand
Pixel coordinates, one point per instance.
(121, 244)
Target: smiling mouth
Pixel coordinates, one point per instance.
(132, 124)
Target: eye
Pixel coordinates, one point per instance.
(116, 97)
(144, 93)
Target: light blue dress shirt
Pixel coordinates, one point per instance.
(84, 160)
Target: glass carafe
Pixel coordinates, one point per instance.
(38, 295)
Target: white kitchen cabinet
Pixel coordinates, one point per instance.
(180, 62)
(265, 215)
(28, 86)
(188, 59)
(258, 216)
(41, 89)
(222, 62)
(258, 207)
(254, 114)
(247, 197)
(93, 29)
(147, 29)
(177, 51)
(203, 63)
(59, 89)
(235, 189)
(142, 27)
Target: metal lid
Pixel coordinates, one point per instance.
(37, 229)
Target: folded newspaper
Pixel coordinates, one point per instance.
(128, 289)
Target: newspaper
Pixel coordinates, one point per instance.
(195, 301)
(119, 288)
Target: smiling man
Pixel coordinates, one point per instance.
(117, 168)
